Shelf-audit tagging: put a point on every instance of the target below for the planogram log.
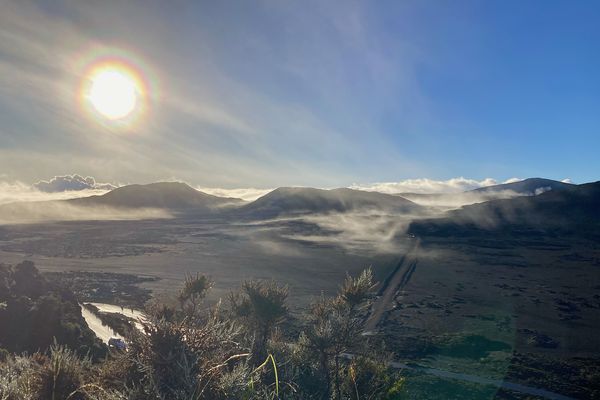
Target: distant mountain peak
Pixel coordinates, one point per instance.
(170, 195)
(299, 200)
(529, 186)
(573, 209)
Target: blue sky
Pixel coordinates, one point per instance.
(273, 93)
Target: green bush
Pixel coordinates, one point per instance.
(243, 351)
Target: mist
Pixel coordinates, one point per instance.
(52, 211)
(450, 201)
(246, 194)
(361, 232)
(12, 192)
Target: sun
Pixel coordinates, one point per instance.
(113, 94)
(116, 88)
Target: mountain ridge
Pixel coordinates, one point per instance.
(575, 209)
(299, 200)
(168, 195)
(530, 185)
(526, 187)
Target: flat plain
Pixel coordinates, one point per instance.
(229, 252)
(520, 309)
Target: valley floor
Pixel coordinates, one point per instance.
(522, 310)
(525, 310)
(162, 252)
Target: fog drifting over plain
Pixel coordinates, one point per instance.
(11, 192)
(54, 211)
(41, 202)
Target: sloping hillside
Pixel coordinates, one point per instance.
(574, 210)
(290, 201)
(169, 195)
(526, 187)
(34, 313)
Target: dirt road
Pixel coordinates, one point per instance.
(395, 283)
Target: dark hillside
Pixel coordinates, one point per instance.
(290, 201)
(169, 195)
(527, 187)
(575, 210)
(34, 312)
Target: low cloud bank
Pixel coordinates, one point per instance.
(356, 232)
(418, 186)
(449, 201)
(34, 212)
(11, 192)
(360, 232)
(22, 203)
(247, 194)
(428, 186)
(73, 182)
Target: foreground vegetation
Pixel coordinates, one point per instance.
(247, 347)
(34, 313)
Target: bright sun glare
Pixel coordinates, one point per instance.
(113, 94)
(117, 88)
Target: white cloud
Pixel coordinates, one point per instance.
(567, 180)
(424, 185)
(11, 192)
(420, 185)
(541, 190)
(248, 194)
(359, 232)
(17, 203)
(513, 180)
(73, 182)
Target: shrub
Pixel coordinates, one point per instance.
(62, 375)
(242, 352)
(261, 307)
